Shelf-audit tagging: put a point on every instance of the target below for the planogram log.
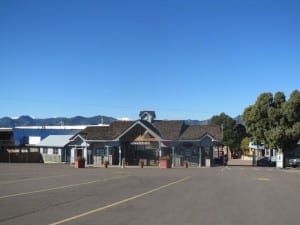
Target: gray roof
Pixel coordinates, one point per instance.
(195, 132)
(165, 129)
(170, 129)
(55, 141)
(105, 133)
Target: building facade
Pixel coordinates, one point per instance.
(148, 140)
(54, 148)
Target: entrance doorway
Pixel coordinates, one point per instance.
(148, 152)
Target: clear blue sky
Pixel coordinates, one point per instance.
(183, 59)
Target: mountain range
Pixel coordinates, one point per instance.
(78, 120)
(57, 121)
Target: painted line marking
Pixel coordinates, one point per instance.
(122, 173)
(291, 171)
(225, 168)
(119, 202)
(30, 179)
(263, 179)
(61, 187)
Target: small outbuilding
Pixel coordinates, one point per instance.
(54, 148)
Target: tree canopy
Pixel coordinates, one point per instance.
(245, 144)
(273, 121)
(233, 133)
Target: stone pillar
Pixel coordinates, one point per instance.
(85, 155)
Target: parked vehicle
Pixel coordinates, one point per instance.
(294, 162)
(265, 161)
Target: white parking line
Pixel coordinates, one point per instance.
(30, 179)
(264, 179)
(60, 187)
(291, 171)
(119, 202)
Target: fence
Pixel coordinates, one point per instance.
(21, 157)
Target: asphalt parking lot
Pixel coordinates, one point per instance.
(59, 194)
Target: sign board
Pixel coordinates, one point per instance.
(140, 143)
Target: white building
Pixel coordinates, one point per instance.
(54, 148)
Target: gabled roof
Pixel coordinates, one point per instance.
(96, 133)
(162, 129)
(55, 141)
(117, 127)
(196, 132)
(169, 129)
(105, 133)
(147, 125)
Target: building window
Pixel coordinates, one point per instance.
(55, 151)
(45, 150)
(267, 153)
(100, 152)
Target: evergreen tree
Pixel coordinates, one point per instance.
(273, 121)
(233, 133)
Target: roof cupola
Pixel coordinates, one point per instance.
(147, 115)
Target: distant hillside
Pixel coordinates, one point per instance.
(238, 119)
(78, 120)
(197, 122)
